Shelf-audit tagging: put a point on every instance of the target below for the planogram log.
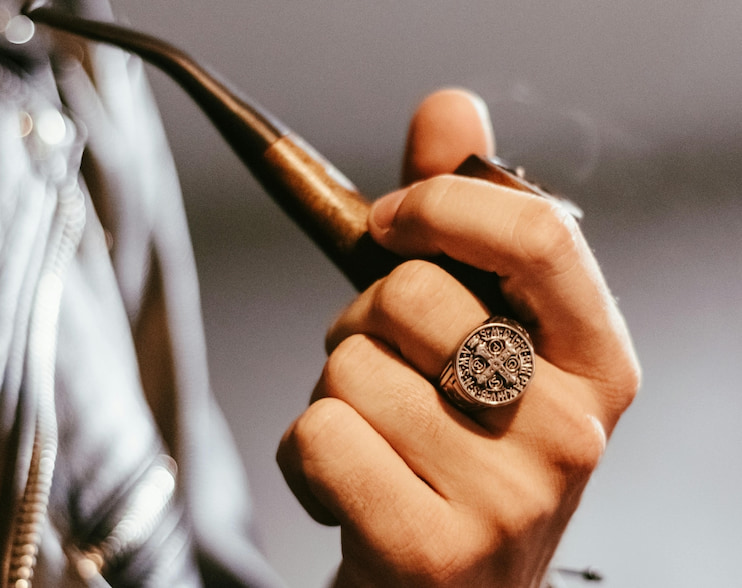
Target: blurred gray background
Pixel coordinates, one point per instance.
(631, 107)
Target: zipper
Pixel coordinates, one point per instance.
(133, 523)
(30, 516)
(150, 500)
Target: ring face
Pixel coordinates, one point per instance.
(492, 366)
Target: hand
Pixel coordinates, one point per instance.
(426, 495)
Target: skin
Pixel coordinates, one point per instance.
(426, 495)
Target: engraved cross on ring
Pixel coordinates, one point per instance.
(490, 360)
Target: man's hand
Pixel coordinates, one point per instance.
(425, 494)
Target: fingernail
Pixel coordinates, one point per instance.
(385, 209)
(484, 115)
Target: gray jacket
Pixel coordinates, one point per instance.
(115, 463)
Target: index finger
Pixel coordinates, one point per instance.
(546, 269)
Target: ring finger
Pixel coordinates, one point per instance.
(424, 314)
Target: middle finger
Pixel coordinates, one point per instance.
(419, 310)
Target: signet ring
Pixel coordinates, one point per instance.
(492, 366)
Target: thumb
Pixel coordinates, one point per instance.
(447, 127)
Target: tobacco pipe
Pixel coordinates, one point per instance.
(317, 196)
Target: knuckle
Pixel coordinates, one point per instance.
(321, 421)
(429, 198)
(632, 380)
(411, 290)
(343, 362)
(547, 235)
(530, 506)
(620, 390)
(582, 447)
